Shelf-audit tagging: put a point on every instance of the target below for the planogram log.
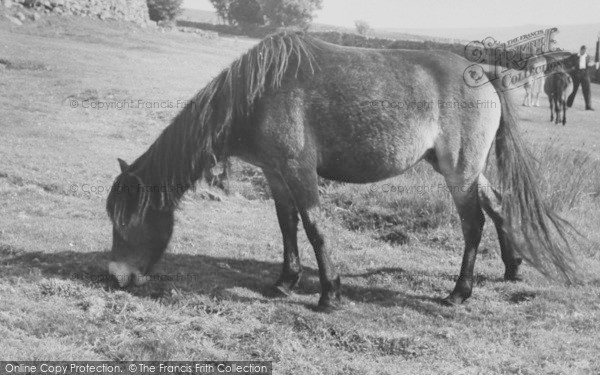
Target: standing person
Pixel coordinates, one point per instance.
(582, 62)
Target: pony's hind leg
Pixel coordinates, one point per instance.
(287, 215)
(491, 201)
(538, 88)
(472, 221)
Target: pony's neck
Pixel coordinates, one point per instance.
(163, 189)
(199, 135)
(174, 162)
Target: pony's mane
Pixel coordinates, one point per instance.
(197, 137)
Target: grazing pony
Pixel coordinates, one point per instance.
(300, 108)
(535, 82)
(558, 87)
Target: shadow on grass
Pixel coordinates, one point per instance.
(206, 275)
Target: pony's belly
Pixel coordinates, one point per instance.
(379, 150)
(365, 170)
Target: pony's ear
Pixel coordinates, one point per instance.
(123, 164)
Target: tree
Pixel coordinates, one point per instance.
(222, 8)
(362, 27)
(166, 10)
(241, 12)
(246, 12)
(272, 12)
(289, 12)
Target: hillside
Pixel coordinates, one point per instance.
(196, 15)
(202, 16)
(570, 37)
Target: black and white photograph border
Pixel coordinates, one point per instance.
(299, 187)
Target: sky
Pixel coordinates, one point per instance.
(431, 14)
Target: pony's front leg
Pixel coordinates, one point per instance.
(302, 181)
(328, 275)
(287, 215)
(298, 183)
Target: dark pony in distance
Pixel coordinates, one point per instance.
(558, 87)
(300, 108)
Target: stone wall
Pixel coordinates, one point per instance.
(355, 40)
(129, 10)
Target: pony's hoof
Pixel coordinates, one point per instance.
(513, 278)
(281, 291)
(284, 287)
(512, 275)
(330, 305)
(512, 270)
(287, 283)
(454, 299)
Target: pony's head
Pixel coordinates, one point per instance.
(141, 232)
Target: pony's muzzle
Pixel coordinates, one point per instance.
(125, 274)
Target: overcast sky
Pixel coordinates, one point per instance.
(455, 13)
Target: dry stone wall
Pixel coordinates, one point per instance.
(129, 10)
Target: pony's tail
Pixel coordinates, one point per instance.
(533, 229)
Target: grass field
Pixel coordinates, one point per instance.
(398, 252)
